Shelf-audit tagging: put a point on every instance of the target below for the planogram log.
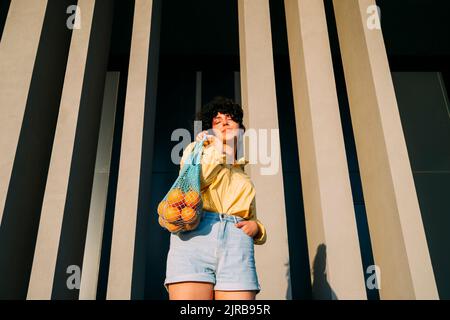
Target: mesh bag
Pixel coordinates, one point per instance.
(181, 208)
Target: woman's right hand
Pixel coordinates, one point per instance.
(201, 135)
(210, 139)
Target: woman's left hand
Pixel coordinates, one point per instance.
(250, 227)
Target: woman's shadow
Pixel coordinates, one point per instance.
(321, 289)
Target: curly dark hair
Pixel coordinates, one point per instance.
(223, 105)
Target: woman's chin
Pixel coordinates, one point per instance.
(226, 136)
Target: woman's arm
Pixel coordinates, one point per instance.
(261, 236)
(211, 161)
(251, 225)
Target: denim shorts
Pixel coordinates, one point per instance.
(217, 252)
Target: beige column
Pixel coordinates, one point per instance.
(260, 107)
(44, 263)
(327, 196)
(395, 223)
(18, 49)
(125, 217)
(94, 236)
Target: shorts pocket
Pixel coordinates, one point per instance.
(244, 234)
(243, 239)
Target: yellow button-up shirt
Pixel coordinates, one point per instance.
(226, 188)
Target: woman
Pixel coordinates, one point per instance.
(216, 260)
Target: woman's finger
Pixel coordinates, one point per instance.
(201, 135)
(245, 229)
(240, 224)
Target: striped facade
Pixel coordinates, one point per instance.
(82, 164)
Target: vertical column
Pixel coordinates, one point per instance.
(260, 106)
(18, 50)
(330, 217)
(396, 228)
(94, 236)
(126, 210)
(65, 209)
(33, 58)
(41, 281)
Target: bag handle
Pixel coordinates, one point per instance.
(197, 152)
(195, 156)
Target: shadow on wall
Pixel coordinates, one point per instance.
(321, 289)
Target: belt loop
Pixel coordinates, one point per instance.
(221, 218)
(235, 220)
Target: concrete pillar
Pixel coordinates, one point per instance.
(329, 213)
(396, 229)
(33, 54)
(260, 112)
(94, 236)
(65, 209)
(18, 50)
(124, 240)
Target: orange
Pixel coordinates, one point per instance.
(169, 226)
(173, 227)
(172, 214)
(191, 199)
(192, 225)
(175, 198)
(162, 207)
(187, 214)
(161, 222)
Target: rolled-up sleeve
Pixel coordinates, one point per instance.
(261, 237)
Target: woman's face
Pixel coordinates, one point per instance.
(224, 127)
